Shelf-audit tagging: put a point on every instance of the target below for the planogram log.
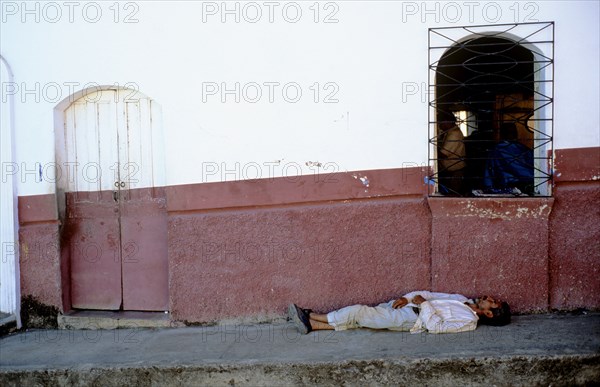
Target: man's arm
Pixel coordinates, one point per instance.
(445, 316)
(418, 297)
(403, 301)
(400, 303)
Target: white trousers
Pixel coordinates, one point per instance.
(382, 316)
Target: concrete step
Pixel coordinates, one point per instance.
(8, 323)
(557, 350)
(101, 319)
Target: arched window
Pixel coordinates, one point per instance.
(491, 110)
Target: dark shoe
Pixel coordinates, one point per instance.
(299, 318)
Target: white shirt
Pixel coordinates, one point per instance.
(443, 313)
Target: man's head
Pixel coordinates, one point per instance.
(446, 120)
(491, 311)
(509, 132)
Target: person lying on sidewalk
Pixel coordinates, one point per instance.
(416, 312)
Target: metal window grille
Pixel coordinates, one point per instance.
(491, 92)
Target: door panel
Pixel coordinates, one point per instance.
(144, 231)
(107, 125)
(138, 160)
(143, 213)
(91, 137)
(92, 213)
(92, 227)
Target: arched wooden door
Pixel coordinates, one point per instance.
(115, 216)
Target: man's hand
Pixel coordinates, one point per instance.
(418, 299)
(399, 303)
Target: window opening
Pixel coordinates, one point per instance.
(491, 109)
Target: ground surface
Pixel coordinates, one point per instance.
(534, 350)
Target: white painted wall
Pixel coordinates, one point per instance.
(373, 54)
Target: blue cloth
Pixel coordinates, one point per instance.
(509, 165)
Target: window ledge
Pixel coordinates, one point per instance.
(492, 208)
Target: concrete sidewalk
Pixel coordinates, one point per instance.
(554, 349)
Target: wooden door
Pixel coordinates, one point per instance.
(143, 210)
(116, 224)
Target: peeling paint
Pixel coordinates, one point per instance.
(363, 179)
(313, 164)
(522, 212)
(542, 209)
(485, 212)
(499, 210)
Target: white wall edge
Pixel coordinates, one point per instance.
(10, 284)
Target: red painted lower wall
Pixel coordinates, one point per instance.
(39, 243)
(492, 246)
(574, 251)
(247, 262)
(575, 246)
(247, 249)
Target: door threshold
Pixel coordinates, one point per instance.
(107, 319)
